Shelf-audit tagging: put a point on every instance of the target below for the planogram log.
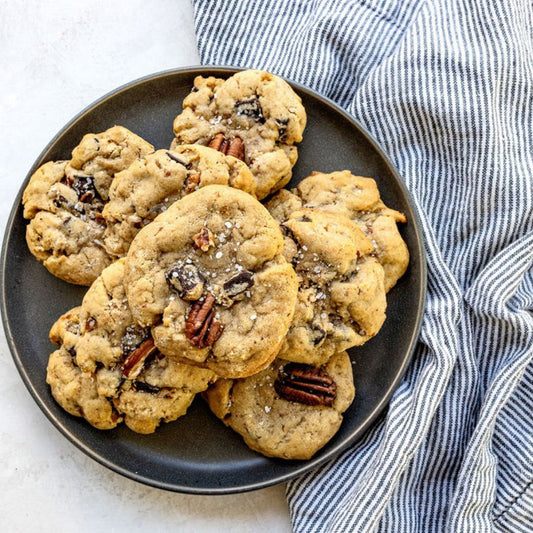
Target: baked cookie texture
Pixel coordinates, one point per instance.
(154, 182)
(287, 410)
(357, 198)
(341, 291)
(107, 370)
(254, 115)
(208, 276)
(64, 202)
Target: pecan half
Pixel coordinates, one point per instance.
(235, 147)
(134, 363)
(187, 280)
(305, 384)
(201, 327)
(204, 240)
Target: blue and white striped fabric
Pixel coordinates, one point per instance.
(446, 86)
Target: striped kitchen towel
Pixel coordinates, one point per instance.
(446, 87)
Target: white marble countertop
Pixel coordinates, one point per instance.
(57, 57)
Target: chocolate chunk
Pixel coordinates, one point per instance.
(282, 127)
(239, 283)
(178, 160)
(187, 280)
(250, 108)
(84, 187)
(145, 387)
(133, 338)
(318, 335)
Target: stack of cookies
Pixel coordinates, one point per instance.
(206, 276)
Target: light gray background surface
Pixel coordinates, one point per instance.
(57, 57)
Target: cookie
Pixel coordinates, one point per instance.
(209, 277)
(288, 410)
(76, 391)
(253, 115)
(64, 202)
(341, 296)
(108, 370)
(152, 183)
(99, 157)
(357, 198)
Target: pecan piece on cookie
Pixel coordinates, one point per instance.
(202, 328)
(134, 363)
(191, 181)
(204, 240)
(305, 384)
(235, 147)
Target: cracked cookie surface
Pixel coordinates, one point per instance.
(209, 278)
(107, 370)
(152, 183)
(357, 198)
(276, 426)
(254, 114)
(341, 293)
(64, 202)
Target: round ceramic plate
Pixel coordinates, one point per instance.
(197, 453)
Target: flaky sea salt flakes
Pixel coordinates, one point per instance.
(268, 409)
(218, 255)
(228, 225)
(253, 317)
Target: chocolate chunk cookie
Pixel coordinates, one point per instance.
(152, 183)
(108, 370)
(252, 115)
(288, 410)
(341, 297)
(209, 277)
(64, 202)
(357, 198)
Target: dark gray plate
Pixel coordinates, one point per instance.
(197, 453)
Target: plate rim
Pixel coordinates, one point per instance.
(303, 466)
